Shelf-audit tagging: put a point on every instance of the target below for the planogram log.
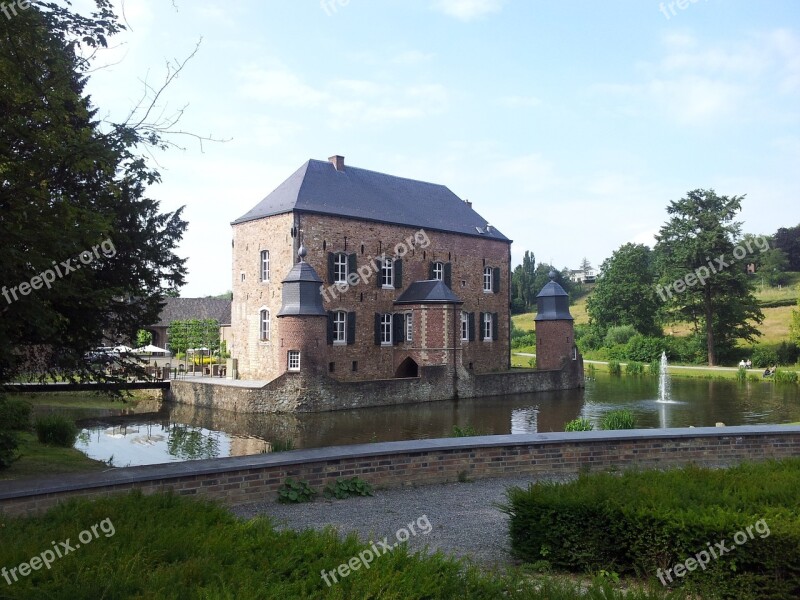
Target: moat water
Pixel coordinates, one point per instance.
(176, 432)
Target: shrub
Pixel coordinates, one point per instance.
(293, 492)
(654, 368)
(614, 368)
(15, 414)
(56, 430)
(741, 374)
(634, 368)
(639, 522)
(782, 376)
(764, 357)
(523, 341)
(579, 425)
(620, 334)
(618, 419)
(645, 349)
(686, 349)
(788, 353)
(345, 488)
(8, 448)
(588, 337)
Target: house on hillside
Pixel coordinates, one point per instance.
(357, 275)
(582, 275)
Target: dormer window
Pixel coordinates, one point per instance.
(438, 271)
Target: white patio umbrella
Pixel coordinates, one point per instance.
(149, 349)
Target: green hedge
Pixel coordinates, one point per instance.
(641, 522)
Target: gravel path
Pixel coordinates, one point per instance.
(462, 516)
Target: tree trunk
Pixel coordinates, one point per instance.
(712, 354)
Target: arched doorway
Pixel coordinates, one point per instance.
(407, 368)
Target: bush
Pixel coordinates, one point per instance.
(15, 414)
(621, 334)
(467, 431)
(294, 492)
(618, 419)
(764, 357)
(579, 425)
(785, 376)
(788, 353)
(741, 374)
(8, 448)
(345, 488)
(687, 349)
(654, 368)
(614, 368)
(588, 337)
(634, 368)
(640, 522)
(645, 349)
(56, 430)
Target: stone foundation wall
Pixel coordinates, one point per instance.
(257, 478)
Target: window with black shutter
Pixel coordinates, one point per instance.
(351, 328)
(496, 280)
(398, 273)
(495, 326)
(398, 328)
(448, 274)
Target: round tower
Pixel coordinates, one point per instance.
(303, 321)
(555, 334)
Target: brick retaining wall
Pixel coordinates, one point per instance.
(240, 480)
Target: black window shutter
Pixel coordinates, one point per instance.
(351, 328)
(398, 273)
(351, 263)
(471, 326)
(377, 329)
(496, 280)
(430, 270)
(379, 271)
(330, 326)
(448, 274)
(495, 326)
(398, 328)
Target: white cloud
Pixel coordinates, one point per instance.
(468, 10)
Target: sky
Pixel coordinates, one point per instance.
(570, 125)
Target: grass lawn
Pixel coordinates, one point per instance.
(39, 460)
(168, 547)
(78, 400)
(521, 361)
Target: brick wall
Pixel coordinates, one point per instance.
(322, 234)
(554, 343)
(255, 478)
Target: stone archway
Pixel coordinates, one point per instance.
(407, 368)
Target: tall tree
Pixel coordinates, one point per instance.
(586, 266)
(625, 292)
(88, 255)
(523, 295)
(701, 278)
(788, 240)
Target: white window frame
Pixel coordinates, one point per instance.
(264, 325)
(293, 360)
(264, 270)
(438, 270)
(387, 273)
(386, 329)
(340, 328)
(464, 326)
(487, 327)
(487, 280)
(340, 267)
(410, 326)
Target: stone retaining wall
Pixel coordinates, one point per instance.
(255, 478)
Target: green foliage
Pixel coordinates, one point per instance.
(9, 443)
(467, 431)
(168, 546)
(74, 184)
(143, 338)
(645, 348)
(741, 374)
(294, 492)
(788, 353)
(589, 369)
(787, 239)
(654, 368)
(194, 333)
(614, 368)
(794, 326)
(346, 488)
(639, 522)
(724, 308)
(532, 362)
(580, 424)
(56, 430)
(588, 337)
(15, 414)
(686, 349)
(625, 294)
(282, 445)
(763, 357)
(634, 368)
(618, 419)
(619, 335)
(782, 376)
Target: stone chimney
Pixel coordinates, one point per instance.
(337, 161)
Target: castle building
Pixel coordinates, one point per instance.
(356, 275)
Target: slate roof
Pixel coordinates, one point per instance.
(318, 187)
(429, 291)
(552, 302)
(179, 309)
